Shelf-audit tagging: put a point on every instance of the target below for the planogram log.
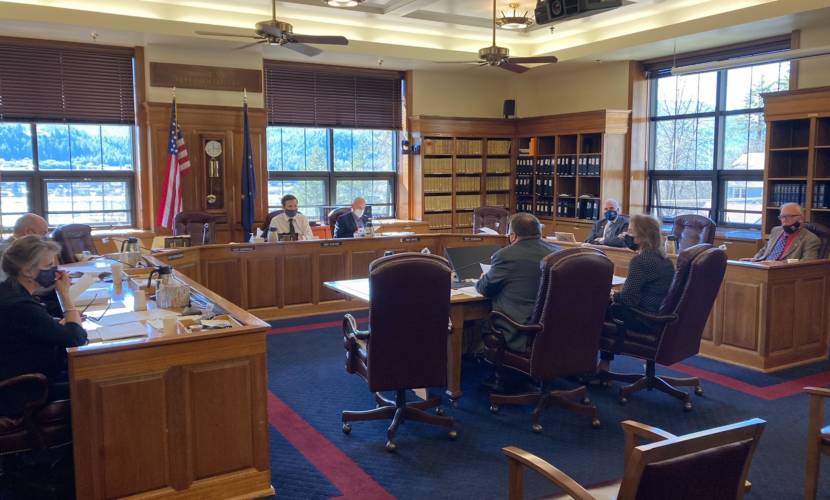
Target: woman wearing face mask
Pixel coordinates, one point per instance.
(32, 340)
(291, 224)
(650, 274)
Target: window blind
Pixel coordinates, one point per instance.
(41, 81)
(656, 68)
(332, 96)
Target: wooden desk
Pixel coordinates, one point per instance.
(463, 308)
(765, 317)
(179, 415)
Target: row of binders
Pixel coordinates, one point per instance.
(585, 209)
(821, 195)
(544, 186)
(788, 193)
(524, 205)
(544, 207)
(524, 185)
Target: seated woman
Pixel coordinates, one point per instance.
(31, 340)
(650, 274)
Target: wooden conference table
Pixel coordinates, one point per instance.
(169, 414)
(465, 305)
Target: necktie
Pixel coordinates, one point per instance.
(291, 229)
(778, 248)
(606, 230)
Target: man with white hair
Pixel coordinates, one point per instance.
(26, 224)
(789, 240)
(607, 230)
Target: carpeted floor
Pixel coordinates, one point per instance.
(312, 458)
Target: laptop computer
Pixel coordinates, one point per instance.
(466, 261)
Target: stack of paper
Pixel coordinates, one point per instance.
(120, 331)
(128, 317)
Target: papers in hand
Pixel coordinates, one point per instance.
(485, 268)
(487, 230)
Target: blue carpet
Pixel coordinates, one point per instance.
(306, 372)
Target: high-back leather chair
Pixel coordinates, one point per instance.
(818, 438)
(73, 239)
(27, 421)
(823, 233)
(192, 223)
(496, 218)
(335, 214)
(692, 229)
(402, 350)
(711, 464)
(268, 218)
(678, 325)
(565, 329)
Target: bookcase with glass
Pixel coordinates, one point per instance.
(798, 154)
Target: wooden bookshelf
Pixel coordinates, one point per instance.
(797, 154)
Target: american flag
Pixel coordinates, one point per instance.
(178, 164)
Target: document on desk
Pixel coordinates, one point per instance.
(485, 268)
(91, 266)
(469, 290)
(116, 332)
(129, 317)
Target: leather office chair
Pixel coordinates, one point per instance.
(818, 438)
(496, 218)
(401, 351)
(74, 239)
(823, 233)
(335, 214)
(193, 222)
(565, 326)
(692, 229)
(678, 326)
(268, 218)
(711, 464)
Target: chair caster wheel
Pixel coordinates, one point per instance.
(390, 446)
(453, 434)
(623, 400)
(687, 406)
(595, 423)
(586, 400)
(537, 428)
(699, 390)
(494, 408)
(347, 428)
(439, 411)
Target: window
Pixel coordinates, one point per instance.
(329, 167)
(67, 124)
(707, 143)
(69, 173)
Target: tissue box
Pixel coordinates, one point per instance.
(172, 296)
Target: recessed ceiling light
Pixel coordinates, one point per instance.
(514, 21)
(343, 3)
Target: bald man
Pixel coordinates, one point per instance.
(350, 222)
(607, 230)
(789, 240)
(26, 224)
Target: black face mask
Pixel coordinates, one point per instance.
(46, 277)
(629, 242)
(791, 228)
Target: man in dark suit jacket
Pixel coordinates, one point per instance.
(607, 230)
(349, 223)
(513, 280)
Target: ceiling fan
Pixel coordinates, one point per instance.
(275, 32)
(500, 56)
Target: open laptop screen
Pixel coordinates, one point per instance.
(465, 260)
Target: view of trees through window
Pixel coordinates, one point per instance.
(707, 137)
(326, 168)
(79, 173)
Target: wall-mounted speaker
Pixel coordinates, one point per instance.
(509, 108)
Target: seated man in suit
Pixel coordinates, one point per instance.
(350, 222)
(789, 240)
(291, 221)
(513, 280)
(607, 230)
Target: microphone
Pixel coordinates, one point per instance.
(205, 232)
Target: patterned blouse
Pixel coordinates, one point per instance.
(649, 277)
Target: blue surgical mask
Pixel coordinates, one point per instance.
(610, 215)
(46, 277)
(291, 213)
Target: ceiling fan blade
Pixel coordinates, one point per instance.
(456, 62)
(306, 50)
(213, 33)
(251, 44)
(532, 60)
(515, 68)
(323, 40)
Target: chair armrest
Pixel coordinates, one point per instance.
(817, 391)
(518, 458)
(350, 328)
(34, 385)
(518, 326)
(633, 430)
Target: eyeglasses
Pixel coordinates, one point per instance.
(787, 217)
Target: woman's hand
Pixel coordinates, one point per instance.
(62, 283)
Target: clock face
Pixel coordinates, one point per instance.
(213, 149)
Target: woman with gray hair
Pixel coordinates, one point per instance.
(31, 340)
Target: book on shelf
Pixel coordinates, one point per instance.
(437, 146)
(498, 147)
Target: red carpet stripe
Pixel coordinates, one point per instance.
(312, 326)
(352, 481)
(769, 393)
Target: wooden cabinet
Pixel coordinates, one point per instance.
(797, 154)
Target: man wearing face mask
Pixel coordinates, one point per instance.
(513, 280)
(349, 223)
(26, 224)
(291, 224)
(789, 240)
(607, 230)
